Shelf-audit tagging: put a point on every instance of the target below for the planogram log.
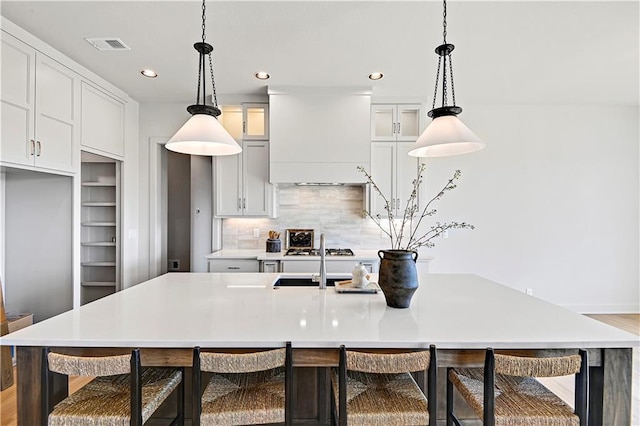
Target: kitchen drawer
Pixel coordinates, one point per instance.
(233, 265)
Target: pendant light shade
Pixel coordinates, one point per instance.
(203, 134)
(446, 135)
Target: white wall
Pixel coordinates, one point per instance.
(555, 200)
(131, 223)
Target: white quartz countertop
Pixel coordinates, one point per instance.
(359, 255)
(453, 311)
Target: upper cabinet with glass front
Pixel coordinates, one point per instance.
(396, 122)
(250, 121)
(255, 124)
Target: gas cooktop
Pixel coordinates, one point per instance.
(316, 252)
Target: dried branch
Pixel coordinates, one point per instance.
(398, 231)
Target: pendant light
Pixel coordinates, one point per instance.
(203, 134)
(446, 134)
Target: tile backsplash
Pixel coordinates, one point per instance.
(336, 211)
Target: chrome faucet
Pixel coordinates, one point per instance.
(323, 268)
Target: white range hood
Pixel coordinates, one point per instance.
(319, 134)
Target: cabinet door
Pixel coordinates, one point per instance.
(255, 121)
(257, 192)
(406, 173)
(383, 172)
(228, 196)
(232, 119)
(383, 122)
(408, 122)
(56, 114)
(18, 98)
(102, 121)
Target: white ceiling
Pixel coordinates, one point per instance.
(506, 52)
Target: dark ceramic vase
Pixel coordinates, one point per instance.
(398, 277)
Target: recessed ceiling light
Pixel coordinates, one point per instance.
(149, 73)
(261, 75)
(375, 76)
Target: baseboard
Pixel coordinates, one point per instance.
(604, 309)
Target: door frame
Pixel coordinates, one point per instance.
(157, 206)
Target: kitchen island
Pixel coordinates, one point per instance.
(460, 314)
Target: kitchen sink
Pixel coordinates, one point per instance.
(305, 281)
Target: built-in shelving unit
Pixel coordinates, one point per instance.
(100, 223)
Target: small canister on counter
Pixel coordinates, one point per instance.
(274, 245)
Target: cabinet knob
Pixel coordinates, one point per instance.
(39, 148)
(33, 147)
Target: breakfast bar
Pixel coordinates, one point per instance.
(461, 314)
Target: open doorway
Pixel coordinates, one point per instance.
(178, 212)
(192, 192)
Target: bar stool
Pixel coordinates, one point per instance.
(377, 388)
(122, 393)
(245, 388)
(505, 392)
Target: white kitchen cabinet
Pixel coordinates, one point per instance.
(393, 171)
(100, 223)
(40, 109)
(241, 182)
(249, 121)
(102, 121)
(396, 122)
(234, 265)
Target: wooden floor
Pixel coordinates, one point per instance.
(561, 386)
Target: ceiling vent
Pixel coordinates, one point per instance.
(108, 43)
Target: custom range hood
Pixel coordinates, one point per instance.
(319, 135)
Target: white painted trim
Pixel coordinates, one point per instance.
(2, 230)
(604, 309)
(157, 221)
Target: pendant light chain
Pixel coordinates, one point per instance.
(444, 56)
(199, 78)
(201, 67)
(204, 18)
(453, 92)
(444, 22)
(444, 80)
(213, 82)
(435, 90)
